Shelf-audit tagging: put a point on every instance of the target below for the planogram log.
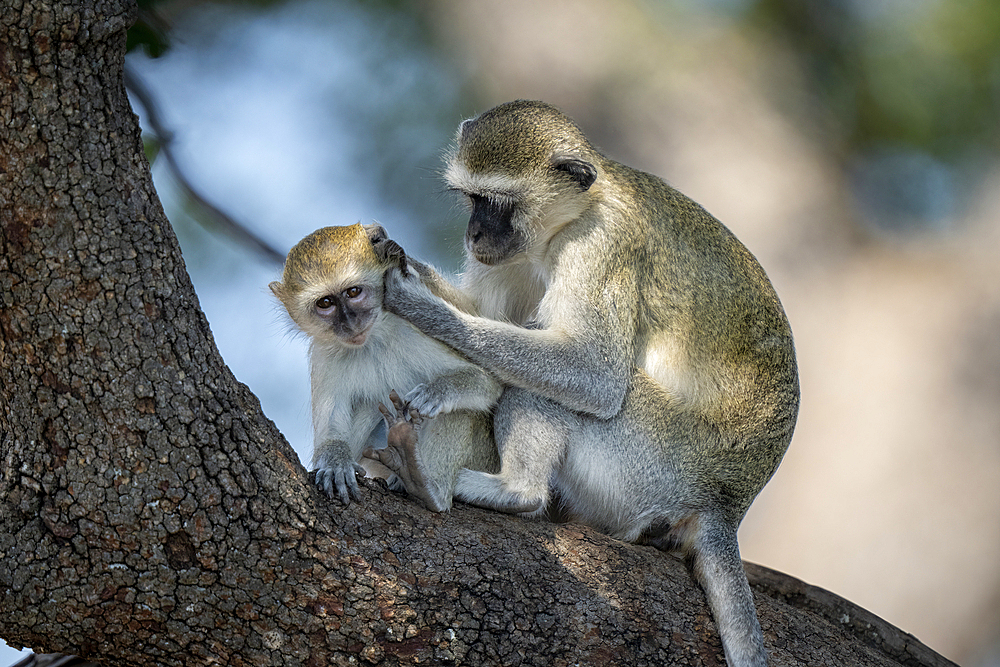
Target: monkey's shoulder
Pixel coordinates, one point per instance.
(647, 203)
(652, 222)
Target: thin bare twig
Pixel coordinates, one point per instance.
(238, 231)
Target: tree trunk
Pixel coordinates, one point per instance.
(151, 514)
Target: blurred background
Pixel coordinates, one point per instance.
(851, 144)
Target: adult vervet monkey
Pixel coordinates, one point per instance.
(360, 356)
(651, 374)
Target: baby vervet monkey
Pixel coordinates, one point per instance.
(360, 356)
(652, 382)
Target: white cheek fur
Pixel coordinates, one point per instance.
(349, 383)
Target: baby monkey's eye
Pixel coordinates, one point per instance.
(325, 302)
(352, 292)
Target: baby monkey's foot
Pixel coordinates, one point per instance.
(402, 455)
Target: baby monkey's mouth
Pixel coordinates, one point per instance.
(358, 339)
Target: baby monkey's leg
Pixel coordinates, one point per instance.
(402, 455)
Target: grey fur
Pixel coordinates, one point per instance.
(656, 389)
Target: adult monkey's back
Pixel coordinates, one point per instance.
(649, 362)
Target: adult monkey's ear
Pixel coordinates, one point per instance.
(582, 172)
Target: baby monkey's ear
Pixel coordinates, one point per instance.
(376, 233)
(391, 252)
(387, 250)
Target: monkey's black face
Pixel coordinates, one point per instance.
(350, 313)
(493, 236)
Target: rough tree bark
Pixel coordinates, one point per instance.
(151, 514)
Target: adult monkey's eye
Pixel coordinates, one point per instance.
(352, 292)
(325, 302)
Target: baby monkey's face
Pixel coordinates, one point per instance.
(347, 315)
(332, 284)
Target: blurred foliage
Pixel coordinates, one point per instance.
(902, 95)
(906, 93)
(151, 147)
(911, 89)
(924, 73)
(150, 31)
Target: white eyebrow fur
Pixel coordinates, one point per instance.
(459, 177)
